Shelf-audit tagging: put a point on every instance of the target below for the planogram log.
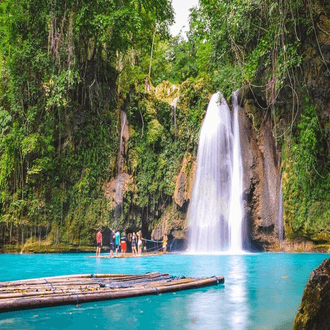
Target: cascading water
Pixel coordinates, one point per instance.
(121, 163)
(236, 202)
(216, 209)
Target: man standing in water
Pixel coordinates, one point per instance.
(98, 243)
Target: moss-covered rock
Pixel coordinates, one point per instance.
(314, 311)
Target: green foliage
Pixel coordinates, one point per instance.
(68, 69)
(306, 180)
(253, 42)
(162, 135)
(60, 62)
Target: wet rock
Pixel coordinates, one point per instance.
(116, 188)
(261, 174)
(314, 311)
(159, 231)
(184, 181)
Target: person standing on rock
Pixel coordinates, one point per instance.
(123, 245)
(117, 241)
(112, 242)
(98, 243)
(134, 239)
(139, 242)
(164, 243)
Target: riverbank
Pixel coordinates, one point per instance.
(44, 248)
(289, 246)
(298, 246)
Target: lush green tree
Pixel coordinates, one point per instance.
(61, 65)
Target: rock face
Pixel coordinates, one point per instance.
(262, 177)
(314, 311)
(184, 181)
(116, 188)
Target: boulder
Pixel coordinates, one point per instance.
(314, 310)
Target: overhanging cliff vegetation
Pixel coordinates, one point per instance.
(69, 71)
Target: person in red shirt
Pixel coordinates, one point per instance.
(98, 243)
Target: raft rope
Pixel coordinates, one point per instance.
(112, 284)
(149, 240)
(75, 293)
(155, 249)
(100, 282)
(216, 279)
(157, 291)
(51, 284)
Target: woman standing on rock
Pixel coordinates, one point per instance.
(134, 239)
(139, 236)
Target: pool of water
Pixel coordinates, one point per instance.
(261, 291)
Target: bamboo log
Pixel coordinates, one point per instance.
(80, 285)
(128, 255)
(154, 283)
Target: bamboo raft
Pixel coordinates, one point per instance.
(75, 289)
(127, 255)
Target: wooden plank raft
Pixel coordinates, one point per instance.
(75, 289)
(127, 255)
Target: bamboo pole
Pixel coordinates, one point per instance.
(29, 295)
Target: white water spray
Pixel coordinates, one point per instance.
(236, 202)
(216, 209)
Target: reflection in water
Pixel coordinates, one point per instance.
(237, 292)
(222, 307)
(261, 291)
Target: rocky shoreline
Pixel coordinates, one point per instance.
(287, 246)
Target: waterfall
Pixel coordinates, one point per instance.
(236, 202)
(121, 165)
(216, 209)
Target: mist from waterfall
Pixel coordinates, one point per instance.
(215, 213)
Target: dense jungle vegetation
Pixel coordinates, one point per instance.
(68, 69)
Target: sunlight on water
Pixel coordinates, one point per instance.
(218, 253)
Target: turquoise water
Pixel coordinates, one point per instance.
(261, 291)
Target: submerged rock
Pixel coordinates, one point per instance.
(314, 310)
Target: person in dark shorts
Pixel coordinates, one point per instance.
(123, 244)
(98, 243)
(112, 242)
(134, 243)
(117, 241)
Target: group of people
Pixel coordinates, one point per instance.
(118, 242)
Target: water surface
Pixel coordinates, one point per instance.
(261, 291)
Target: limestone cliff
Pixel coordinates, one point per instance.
(265, 125)
(261, 175)
(262, 178)
(184, 181)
